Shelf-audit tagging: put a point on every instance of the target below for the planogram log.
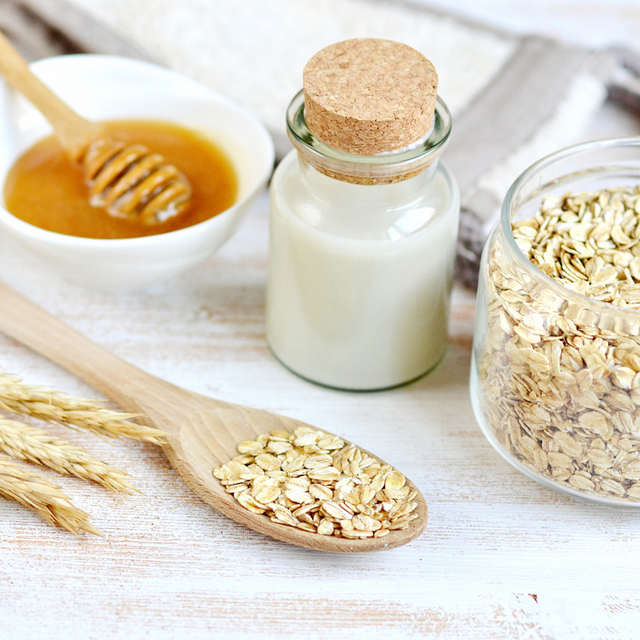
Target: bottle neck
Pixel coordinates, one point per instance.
(383, 169)
(337, 192)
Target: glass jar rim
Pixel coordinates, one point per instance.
(512, 193)
(404, 161)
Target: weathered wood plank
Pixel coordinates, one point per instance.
(169, 566)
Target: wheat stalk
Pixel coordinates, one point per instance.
(31, 444)
(43, 496)
(53, 406)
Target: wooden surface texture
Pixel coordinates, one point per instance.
(502, 557)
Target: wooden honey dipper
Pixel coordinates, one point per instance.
(127, 180)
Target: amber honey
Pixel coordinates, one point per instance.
(47, 190)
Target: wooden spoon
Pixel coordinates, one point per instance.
(202, 433)
(127, 180)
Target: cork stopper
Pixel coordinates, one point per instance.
(369, 96)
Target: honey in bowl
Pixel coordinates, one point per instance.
(47, 190)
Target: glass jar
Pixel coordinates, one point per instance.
(554, 376)
(361, 259)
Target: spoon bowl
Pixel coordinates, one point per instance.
(202, 433)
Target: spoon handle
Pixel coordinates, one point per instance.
(124, 383)
(74, 131)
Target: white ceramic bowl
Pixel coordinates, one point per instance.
(110, 87)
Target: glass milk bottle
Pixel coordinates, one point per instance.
(363, 222)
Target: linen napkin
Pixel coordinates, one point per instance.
(514, 99)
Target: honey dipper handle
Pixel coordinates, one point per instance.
(74, 132)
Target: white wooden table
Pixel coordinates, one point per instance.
(502, 557)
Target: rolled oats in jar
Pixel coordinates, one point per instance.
(555, 379)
